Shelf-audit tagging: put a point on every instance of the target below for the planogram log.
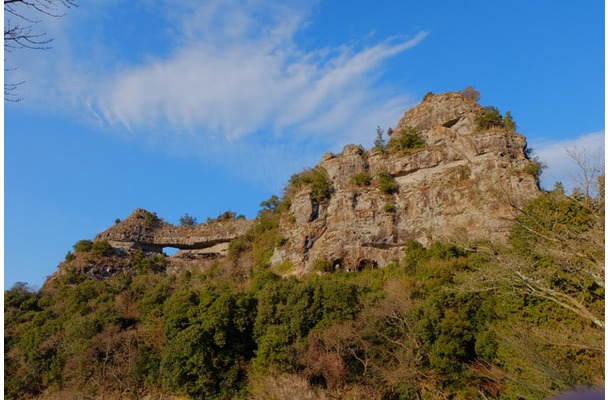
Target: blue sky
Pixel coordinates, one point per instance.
(207, 106)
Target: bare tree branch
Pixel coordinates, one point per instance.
(20, 34)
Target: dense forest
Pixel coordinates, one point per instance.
(516, 320)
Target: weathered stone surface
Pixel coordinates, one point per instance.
(142, 229)
(461, 181)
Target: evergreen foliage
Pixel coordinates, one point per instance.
(362, 179)
(387, 183)
(405, 139)
(188, 220)
(517, 320)
(379, 143)
(317, 178)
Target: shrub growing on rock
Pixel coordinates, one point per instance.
(82, 246)
(319, 181)
(101, 248)
(362, 179)
(387, 183)
(188, 220)
(490, 118)
(405, 139)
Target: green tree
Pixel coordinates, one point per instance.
(209, 339)
(379, 143)
(188, 220)
(509, 122)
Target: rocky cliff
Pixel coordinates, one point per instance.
(442, 173)
(461, 180)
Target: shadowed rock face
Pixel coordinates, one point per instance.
(462, 182)
(144, 230)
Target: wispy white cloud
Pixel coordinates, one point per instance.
(237, 83)
(560, 167)
(236, 80)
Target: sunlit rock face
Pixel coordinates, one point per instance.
(462, 181)
(451, 179)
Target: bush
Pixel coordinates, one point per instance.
(534, 168)
(405, 139)
(387, 183)
(319, 181)
(389, 207)
(150, 219)
(101, 248)
(323, 265)
(82, 246)
(470, 93)
(490, 118)
(361, 179)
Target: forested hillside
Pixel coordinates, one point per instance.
(521, 319)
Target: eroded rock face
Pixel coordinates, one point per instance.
(461, 182)
(143, 230)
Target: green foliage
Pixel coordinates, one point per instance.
(379, 143)
(362, 179)
(188, 220)
(440, 323)
(317, 179)
(405, 139)
(489, 118)
(82, 246)
(387, 183)
(144, 264)
(509, 122)
(322, 265)
(389, 207)
(289, 309)
(260, 239)
(272, 204)
(226, 216)
(151, 219)
(209, 337)
(533, 168)
(101, 248)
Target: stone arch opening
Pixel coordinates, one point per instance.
(169, 250)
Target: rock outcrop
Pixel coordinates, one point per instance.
(462, 181)
(446, 177)
(144, 230)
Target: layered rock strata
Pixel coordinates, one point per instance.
(144, 230)
(463, 181)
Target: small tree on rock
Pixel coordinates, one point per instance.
(188, 220)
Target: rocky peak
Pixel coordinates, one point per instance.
(440, 175)
(440, 117)
(459, 180)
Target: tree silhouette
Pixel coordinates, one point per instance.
(19, 33)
